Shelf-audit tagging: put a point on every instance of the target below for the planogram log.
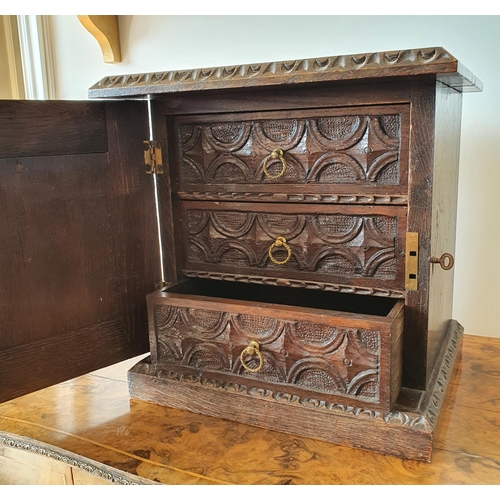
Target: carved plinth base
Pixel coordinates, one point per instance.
(406, 431)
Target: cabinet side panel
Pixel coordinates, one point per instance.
(419, 220)
(444, 210)
(169, 238)
(396, 355)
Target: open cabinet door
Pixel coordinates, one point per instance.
(78, 239)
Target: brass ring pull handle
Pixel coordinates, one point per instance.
(280, 242)
(442, 261)
(253, 348)
(277, 154)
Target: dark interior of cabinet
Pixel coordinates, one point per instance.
(318, 299)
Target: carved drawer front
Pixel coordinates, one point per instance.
(346, 248)
(351, 355)
(345, 155)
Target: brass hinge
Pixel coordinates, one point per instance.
(160, 285)
(411, 262)
(152, 157)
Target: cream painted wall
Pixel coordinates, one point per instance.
(159, 43)
(11, 84)
(5, 86)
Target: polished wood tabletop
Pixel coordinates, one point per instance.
(92, 420)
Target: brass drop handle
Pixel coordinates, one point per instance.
(277, 154)
(280, 242)
(446, 261)
(250, 350)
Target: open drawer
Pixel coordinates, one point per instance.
(334, 348)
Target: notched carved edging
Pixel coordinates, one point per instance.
(91, 467)
(355, 199)
(414, 421)
(432, 403)
(378, 292)
(433, 60)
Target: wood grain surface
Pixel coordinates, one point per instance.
(402, 63)
(92, 416)
(78, 241)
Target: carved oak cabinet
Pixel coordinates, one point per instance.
(294, 239)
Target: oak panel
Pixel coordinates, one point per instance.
(35, 128)
(78, 243)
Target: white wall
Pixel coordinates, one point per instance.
(10, 64)
(5, 86)
(162, 43)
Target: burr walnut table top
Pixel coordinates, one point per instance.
(92, 421)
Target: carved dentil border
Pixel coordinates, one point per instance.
(343, 199)
(422, 421)
(88, 466)
(412, 420)
(379, 292)
(436, 399)
(432, 60)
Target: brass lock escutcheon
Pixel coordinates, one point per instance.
(411, 261)
(446, 261)
(277, 154)
(280, 242)
(251, 350)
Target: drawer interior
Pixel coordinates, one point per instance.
(331, 301)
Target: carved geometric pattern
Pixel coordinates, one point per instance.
(227, 137)
(424, 420)
(307, 355)
(345, 149)
(338, 128)
(284, 134)
(433, 60)
(203, 322)
(189, 135)
(260, 328)
(344, 245)
(232, 224)
(203, 355)
(318, 338)
(271, 371)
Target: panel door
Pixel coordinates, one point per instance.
(78, 239)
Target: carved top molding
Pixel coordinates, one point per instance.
(412, 62)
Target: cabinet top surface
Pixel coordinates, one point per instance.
(392, 64)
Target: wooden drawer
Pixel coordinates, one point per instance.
(345, 155)
(356, 248)
(322, 346)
